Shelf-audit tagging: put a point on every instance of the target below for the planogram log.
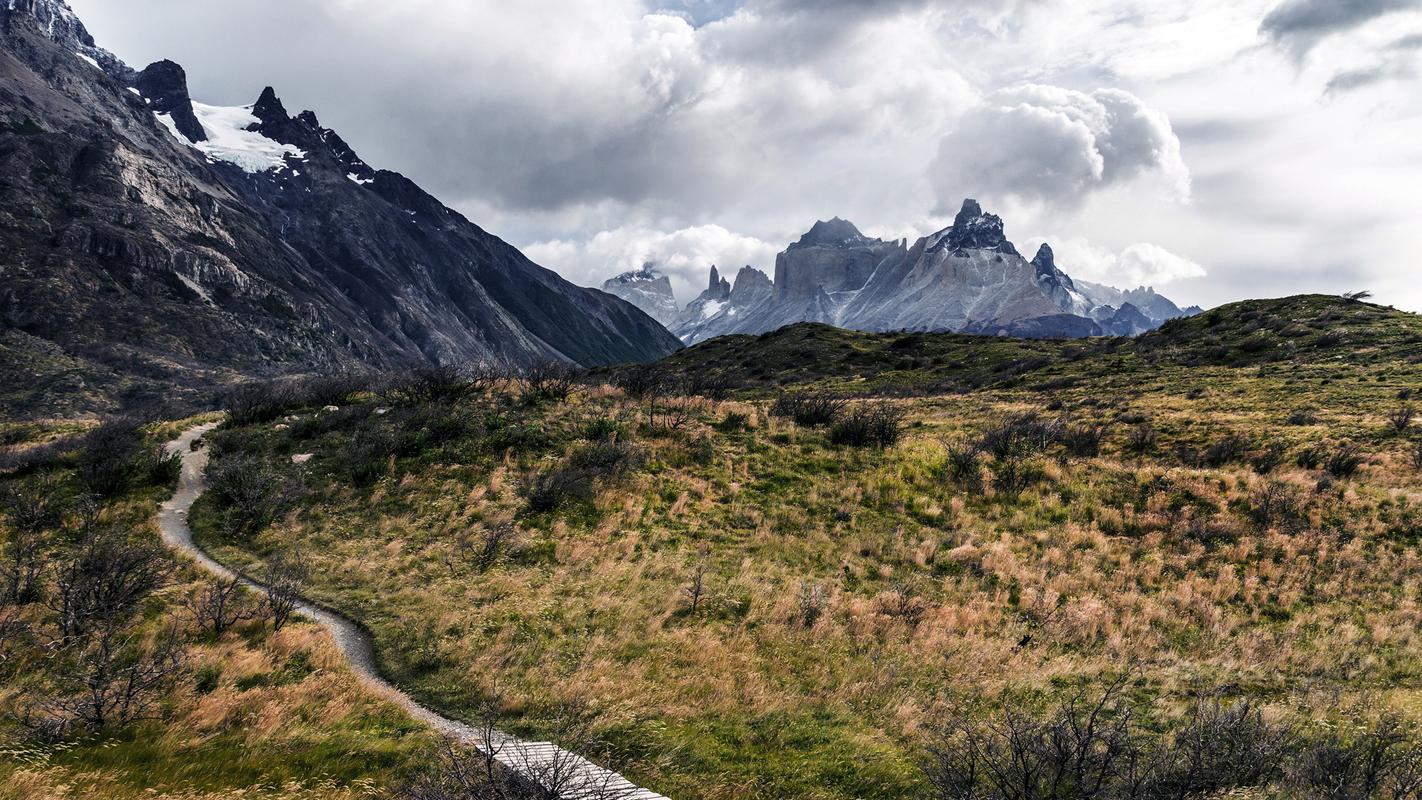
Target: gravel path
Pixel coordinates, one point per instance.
(566, 774)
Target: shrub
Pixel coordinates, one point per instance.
(1344, 461)
(576, 479)
(602, 429)
(1278, 505)
(965, 467)
(1142, 439)
(250, 494)
(366, 458)
(1401, 418)
(1099, 748)
(1013, 475)
(809, 410)
(710, 385)
(641, 382)
(1227, 450)
(870, 425)
(1021, 436)
(548, 381)
(1302, 416)
(1083, 441)
(1311, 457)
(1268, 459)
(733, 422)
(257, 402)
(445, 385)
(115, 458)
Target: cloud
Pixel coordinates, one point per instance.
(1140, 264)
(1299, 25)
(1054, 146)
(685, 255)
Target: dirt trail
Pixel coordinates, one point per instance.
(541, 762)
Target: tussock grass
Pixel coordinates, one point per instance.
(853, 597)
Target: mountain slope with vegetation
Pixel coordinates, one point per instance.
(853, 585)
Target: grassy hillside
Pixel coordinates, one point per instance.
(1296, 331)
(746, 608)
(88, 598)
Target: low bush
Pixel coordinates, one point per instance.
(444, 385)
(1226, 451)
(1269, 459)
(870, 425)
(1142, 439)
(1021, 436)
(575, 481)
(965, 467)
(1401, 418)
(1345, 461)
(116, 457)
(810, 410)
(548, 381)
(249, 494)
(1083, 441)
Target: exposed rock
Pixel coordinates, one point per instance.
(968, 277)
(648, 290)
(174, 261)
(164, 85)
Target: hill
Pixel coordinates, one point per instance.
(808, 597)
(1308, 330)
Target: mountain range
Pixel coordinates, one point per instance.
(147, 239)
(966, 278)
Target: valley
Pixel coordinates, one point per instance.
(735, 599)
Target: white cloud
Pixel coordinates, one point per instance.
(554, 121)
(1139, 264)
(1051, 145)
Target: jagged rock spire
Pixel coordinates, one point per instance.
(974, 230)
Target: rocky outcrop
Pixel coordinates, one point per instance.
(968, 277)
(164, 85)
(648, 290)
(155, 254)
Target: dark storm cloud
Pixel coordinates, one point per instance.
(1299, 25)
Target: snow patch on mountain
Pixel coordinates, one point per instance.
(231, 140)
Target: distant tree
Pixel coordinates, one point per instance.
(1357, 297)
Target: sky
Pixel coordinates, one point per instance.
(1217, 149)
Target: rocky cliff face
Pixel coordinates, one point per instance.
(169, 241)
(648, 290)
(967, 278)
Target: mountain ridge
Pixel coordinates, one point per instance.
(263, 247)
(967, 278)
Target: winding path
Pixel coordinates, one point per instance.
(563, 774)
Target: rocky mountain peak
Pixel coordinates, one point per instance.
(975, 230)
(57, 21)
(1046, 261)
(164, 84)
(269, 108)
(719, 288)
(835, 232)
